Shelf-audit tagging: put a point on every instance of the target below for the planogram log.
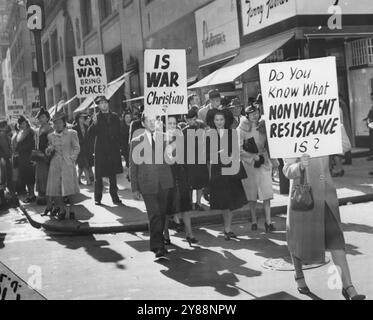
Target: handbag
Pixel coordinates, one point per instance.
(302, 196)
(37, 156)
(249, 145)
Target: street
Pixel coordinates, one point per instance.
(119, 266)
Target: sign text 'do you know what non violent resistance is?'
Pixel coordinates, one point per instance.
(165, 82)
(301, 107)
(90, 76)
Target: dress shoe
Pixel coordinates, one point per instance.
(161, 253)
(347, 296)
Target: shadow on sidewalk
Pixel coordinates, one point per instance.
(354, 227)
(99, 250)
(206, 268)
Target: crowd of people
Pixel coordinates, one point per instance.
(52, 160)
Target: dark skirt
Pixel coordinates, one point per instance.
(334, 238)
(227, 193)
(198, 176)
(42, 170)
(26, 171)
(179, 199)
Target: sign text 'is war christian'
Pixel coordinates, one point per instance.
(165, 82)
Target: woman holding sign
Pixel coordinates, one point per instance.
(315, 228)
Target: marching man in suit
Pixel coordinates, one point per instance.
(151, 180)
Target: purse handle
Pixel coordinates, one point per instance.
(303, 177)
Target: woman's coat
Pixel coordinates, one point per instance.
(306, 230)
(62, 177)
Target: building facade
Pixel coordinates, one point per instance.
(76, 28)
(22, 56)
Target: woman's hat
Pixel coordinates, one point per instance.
(21, 120)
(251, 109)
(43, 112)
(59, 115)
(235, 103)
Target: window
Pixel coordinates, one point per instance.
(106, 9)
(58, 92)
(86, 12)
(50, 97)
(34, 62)
(47, 57)
(362, 52)
(54, 47)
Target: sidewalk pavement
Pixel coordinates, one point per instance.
(355, 187)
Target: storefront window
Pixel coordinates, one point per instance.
(362, 52)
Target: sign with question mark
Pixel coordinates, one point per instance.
(90, 76)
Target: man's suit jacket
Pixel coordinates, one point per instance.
(148, 179)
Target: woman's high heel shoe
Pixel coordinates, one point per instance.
(303, 290)
(62, 215)
(229, 236)
(348, 297)
(269, 228)
(55, 212)
(192, 241)
(47, 211)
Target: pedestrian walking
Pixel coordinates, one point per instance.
(125, 136)
(105, 129)
(198, 173)
(258, 166)
(39, 156)
(6, 166)
(311, 233)
(85, 158)
(24, 144)
(226, 191)
(151, 182)
(63, 149)
(369, 121)
(180, 197)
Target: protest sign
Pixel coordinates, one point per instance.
(14, 110)
(165, 83)
(301, 108)
(90, 76)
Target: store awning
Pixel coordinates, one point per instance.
(248, 57)
(113, 87)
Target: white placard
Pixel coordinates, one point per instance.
(259, 14)
(165, 83)
(90, 76)
(301, 108)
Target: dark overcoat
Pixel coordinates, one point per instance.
(107, 135)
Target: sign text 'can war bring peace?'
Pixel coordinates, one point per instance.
(165, 82)
(301, 108)
(90, 76)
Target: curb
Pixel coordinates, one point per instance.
(84, 229)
